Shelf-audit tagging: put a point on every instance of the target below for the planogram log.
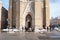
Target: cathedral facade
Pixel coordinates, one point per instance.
(29, 13)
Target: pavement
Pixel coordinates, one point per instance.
(30, 36)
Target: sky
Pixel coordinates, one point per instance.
(54, 7)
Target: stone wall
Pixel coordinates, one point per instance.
(4, 17)
(0, 14)
(18, 10)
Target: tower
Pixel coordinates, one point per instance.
(29, 13)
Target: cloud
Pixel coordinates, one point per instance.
(54, 8)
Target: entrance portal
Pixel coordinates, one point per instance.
(28, 23)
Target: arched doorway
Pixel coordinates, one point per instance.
(28, 23)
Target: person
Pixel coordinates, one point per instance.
(25, 28)
(22, 29)
(47, 29)
(44, 27)
(50, 28)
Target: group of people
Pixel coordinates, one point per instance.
(27, 29)
(50, 28)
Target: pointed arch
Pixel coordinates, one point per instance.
(28, 17)
(28, 21)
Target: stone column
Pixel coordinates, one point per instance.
(44, 15)
(38, 14)
(18, 14)
(14, 14)
(47, 13)
(10, 14)
(46, 20)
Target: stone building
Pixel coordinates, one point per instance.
(0, 13)
(55, 21)
(28, 13)
(3, 17)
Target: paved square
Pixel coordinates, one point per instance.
(26, 36)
